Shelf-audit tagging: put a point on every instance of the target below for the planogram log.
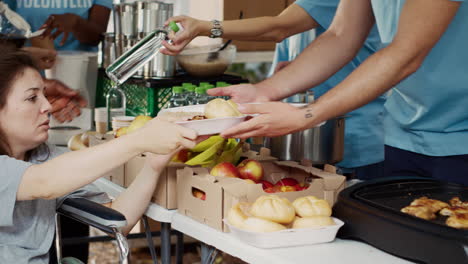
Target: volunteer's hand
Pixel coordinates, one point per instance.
(66, 102)
(158, 162)
(45, 58)
(64, 23)
(281, 65)
(162, 137)
(191, 29)
(241, 93)
(274, 119)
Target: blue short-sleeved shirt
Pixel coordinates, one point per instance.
(36, 12)
(428, 111)
(364, 136)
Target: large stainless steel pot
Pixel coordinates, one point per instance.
(320, 145)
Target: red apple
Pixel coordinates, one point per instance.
(287, 189)
(301, 186)
(251, 169)
(287, 182)
(199, 194)
(181, 156)
(225, 169)
(266, 184)
(273, 189)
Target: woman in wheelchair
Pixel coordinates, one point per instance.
(36, 178)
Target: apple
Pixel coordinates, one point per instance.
(250, 181)
(266, 184)
(287, 182)
(181, 156)
(301, 186)
(273, 189)
(199, 194)
(225, 169)
(251, 169)
(286, 188)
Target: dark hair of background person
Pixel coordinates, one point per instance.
(13, 62)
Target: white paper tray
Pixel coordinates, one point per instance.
(288, 237)
(206, 126)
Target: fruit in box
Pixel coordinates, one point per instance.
(206, 144)
(181, 156)
(301, 186)
(199, 194)
(249, 181)
(273, 189)
(287, 182)
(266, 184)
(225, 169)
(251, 169)
(288, 189)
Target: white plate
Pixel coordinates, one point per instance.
(288, 237)
(205, 126)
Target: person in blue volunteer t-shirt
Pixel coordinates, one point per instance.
(74, 24)
(424, 61)
(364, 145)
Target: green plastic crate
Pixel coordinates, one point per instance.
(141, 100)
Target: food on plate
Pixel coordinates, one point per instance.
(420, 211)
(457, 212)
(251, 169)
(179, 116)
(312, 222)
(426, 208)
(197, 117)
(273, 208)
(459, 221)
(239, 217)
(432, 204)
(219, 108)
(311, 206)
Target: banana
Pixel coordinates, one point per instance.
(232, 155)
(207, 143)
(208, 155)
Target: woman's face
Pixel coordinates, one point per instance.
(25, 119)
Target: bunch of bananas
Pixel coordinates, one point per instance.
(215, 150)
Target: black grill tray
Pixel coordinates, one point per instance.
(371, 212)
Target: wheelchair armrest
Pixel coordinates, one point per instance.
(93, 214)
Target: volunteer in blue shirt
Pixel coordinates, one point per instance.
(74, 24)
(364, 145)
(425, 60)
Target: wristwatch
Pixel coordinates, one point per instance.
(217, 30)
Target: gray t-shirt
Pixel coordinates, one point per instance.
(27, 228)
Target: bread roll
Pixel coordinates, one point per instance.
(273, 208)
(312, 222)
(312, 206)
(219, 108)
(239, 217)
(75, 143)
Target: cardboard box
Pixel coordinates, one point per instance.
(252, 9)
(116, 175)
(165, 192)
(223, 193)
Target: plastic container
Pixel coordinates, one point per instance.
(205, 126)
(200, 96)
(288, 237)
(178, 98)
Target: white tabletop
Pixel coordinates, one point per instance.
(339, 251)
(154, 211)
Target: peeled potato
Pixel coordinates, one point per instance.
(273, 208)
(218, 108)
(312, 206)
(312, 222)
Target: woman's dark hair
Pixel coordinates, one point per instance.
(13, 62)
